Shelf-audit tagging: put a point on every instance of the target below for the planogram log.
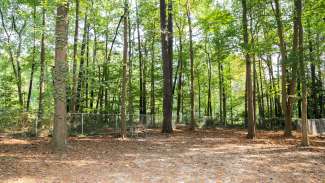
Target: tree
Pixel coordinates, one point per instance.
(125, 63)
(74, 67)
(251, 125)
(42, 70)
(304, 122)
(31, 79)
(60, 73)
(166, 46)
(143, 102)
(189, 21)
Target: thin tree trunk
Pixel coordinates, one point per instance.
(251, 124)
(74, 67)
(87, 70)
(92, 90)
(30, 88)
(125, 63)
(130, 71)
(220, 93)
(79, 105)
(315, 112)
(283, 51)
(42, 72)
(141, 67)
(262, 111)
(209, 108)
(152, 100)
(189, 20)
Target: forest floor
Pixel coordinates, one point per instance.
(220, 155)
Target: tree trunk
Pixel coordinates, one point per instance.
(130, 66)
(74, 67)
(209, 108)
(152, 97)
(284, 58)
(79, 105)
(86, 82)
(180, 75)
(125, 63)
(167, 70)
(305, 139)
(42, 73)
(292, 86)
(315, 112)
(30, 88)
(250, 110)
(189, 20)
(61, 43)
(142, 105)
(92, 90)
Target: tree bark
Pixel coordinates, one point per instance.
(250, 110)
(74, 67)
(152, 83)
(189, 21)
(298, 9)
(61, 43)
(125, 63)
(167, 69)
(31, 79)
(42, 73)
(284, 57)
(141, 67)
(79, 105)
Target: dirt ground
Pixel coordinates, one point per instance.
(221, 155)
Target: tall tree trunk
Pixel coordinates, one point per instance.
(189, 21)
(61, 43)
(74, 67)
(284, 58)
(125, 63)
(199, 95)
(262, 108)
(315, 112)
(220, 92)
(92, 90)
(130, 71)
(42, 72)
(87, 71)
(141, 66)
(30, 88)
(222, 95)
(292, 85)
(167, 70)
(152, 83)
(79, 105)
(305, 139)
(254, 65)
(209, 104)
(319, 78)
(250, 110)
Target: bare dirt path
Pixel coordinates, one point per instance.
(222, 155)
